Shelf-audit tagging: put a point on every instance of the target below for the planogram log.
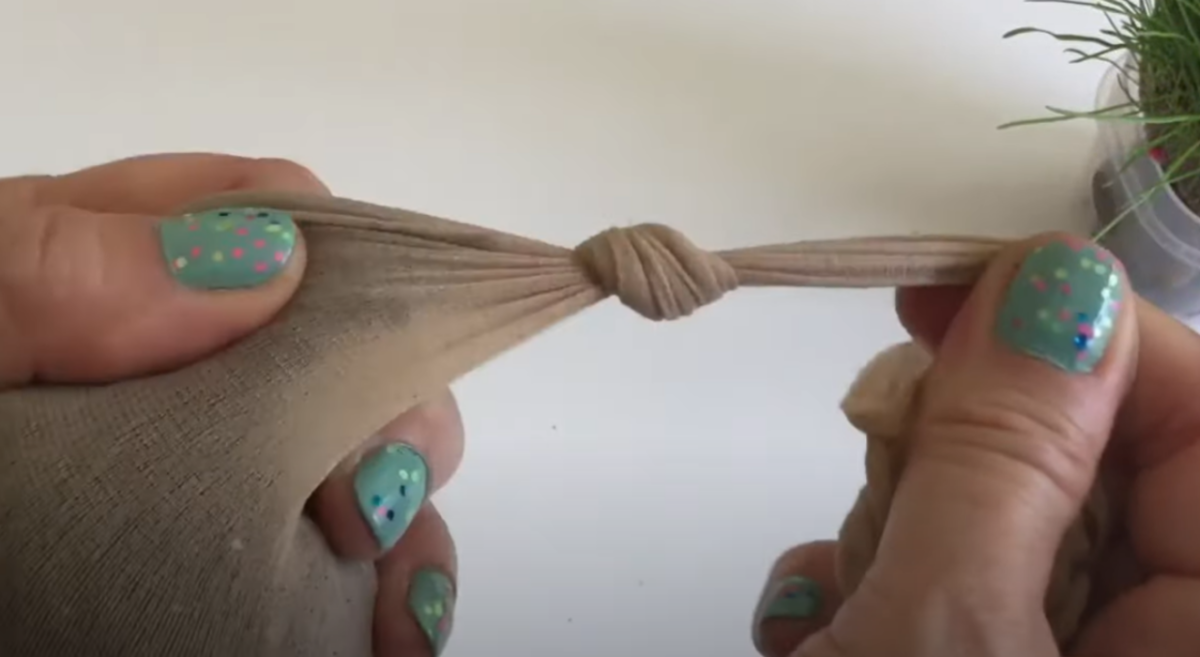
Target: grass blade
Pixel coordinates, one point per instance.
(1072, 38)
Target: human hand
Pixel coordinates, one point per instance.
(1008, 436)
(99, 282)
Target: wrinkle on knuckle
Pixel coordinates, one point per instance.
(63, 251)
(51, 258)
(31, 263)
(1015, 430)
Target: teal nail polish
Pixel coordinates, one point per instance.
(1062, 305)
(390, 487)
(431, 599)
(791, 597)
(228, 248)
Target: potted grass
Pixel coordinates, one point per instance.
(1146, 189)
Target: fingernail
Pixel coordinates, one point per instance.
(228, 248)
(1062, 306)
(431, 599)
(390, 487)
(791, 597)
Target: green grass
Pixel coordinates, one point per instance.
(1155, 45)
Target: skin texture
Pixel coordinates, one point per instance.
(86, 296)
(1007, 451)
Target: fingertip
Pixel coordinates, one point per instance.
(214, 279)
(367, 511)
(101, 281)
(1050, 311)
(1056, 298)
(92, 297)
(418, 591)
(367, 505)
(800, 597)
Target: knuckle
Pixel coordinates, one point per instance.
(48, 252)
(47, 259)
(1012, 429)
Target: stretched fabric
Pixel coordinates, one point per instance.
(164, 515)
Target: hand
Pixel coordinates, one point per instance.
(1007, 438)
(99, 282)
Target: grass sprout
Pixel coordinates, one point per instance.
(1155, 47)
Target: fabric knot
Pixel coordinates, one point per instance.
(655, 270)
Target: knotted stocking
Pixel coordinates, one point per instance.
(164, 515)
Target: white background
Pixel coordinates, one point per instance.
(607, 505)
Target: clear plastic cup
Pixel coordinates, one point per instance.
(1159, 242)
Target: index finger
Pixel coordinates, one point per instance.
(160, 184)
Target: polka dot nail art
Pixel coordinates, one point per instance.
(1062, 305)
(431, 599)
(228, 248)
(390, 487)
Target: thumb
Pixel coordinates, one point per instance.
(1013, 419)
(90, 296)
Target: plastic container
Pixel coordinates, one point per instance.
(1159, 242)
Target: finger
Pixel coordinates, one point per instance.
(1160, 618)
(1162, 518)
(1161, 424)
(926, 312)
(87, 297)
(414, 609)
(1014, 417)
(1160, 416)
(160, 184)
(1118, 572)
(801, 596)
(367, 504)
